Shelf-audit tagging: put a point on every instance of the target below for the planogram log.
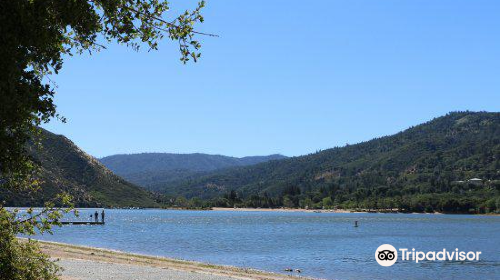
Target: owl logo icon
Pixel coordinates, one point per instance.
(386, 255)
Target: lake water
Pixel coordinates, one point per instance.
(323, 245)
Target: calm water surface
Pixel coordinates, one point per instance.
(323, 245)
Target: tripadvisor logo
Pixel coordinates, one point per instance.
(387, 255)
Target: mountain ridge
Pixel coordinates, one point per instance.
(427, 167)
(64, 167)
(423, 159)
(152, 169)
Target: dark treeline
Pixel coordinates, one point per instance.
(453, 197)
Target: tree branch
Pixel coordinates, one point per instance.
(168, 23)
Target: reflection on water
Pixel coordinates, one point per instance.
(324, 245)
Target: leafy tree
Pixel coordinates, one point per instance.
(36, 37)
(287, 202)
(327, 202)
(22, 259)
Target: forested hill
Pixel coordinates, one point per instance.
(426, 167)
(65, 167)
(156, 169)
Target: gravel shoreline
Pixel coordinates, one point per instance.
(75, 269)
(87, 263)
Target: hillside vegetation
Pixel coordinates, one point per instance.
(153, 170)
(64, 167)
(424, 168)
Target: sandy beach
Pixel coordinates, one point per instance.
(86, 263)
(325, 210)
(285, 210)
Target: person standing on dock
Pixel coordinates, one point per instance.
(96, 216)
(102, 216)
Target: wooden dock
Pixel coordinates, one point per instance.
(82, 223)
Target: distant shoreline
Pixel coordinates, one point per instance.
(73, 257)
(285, 210)
(339, 211)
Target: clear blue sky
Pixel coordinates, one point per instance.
(287, 77)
